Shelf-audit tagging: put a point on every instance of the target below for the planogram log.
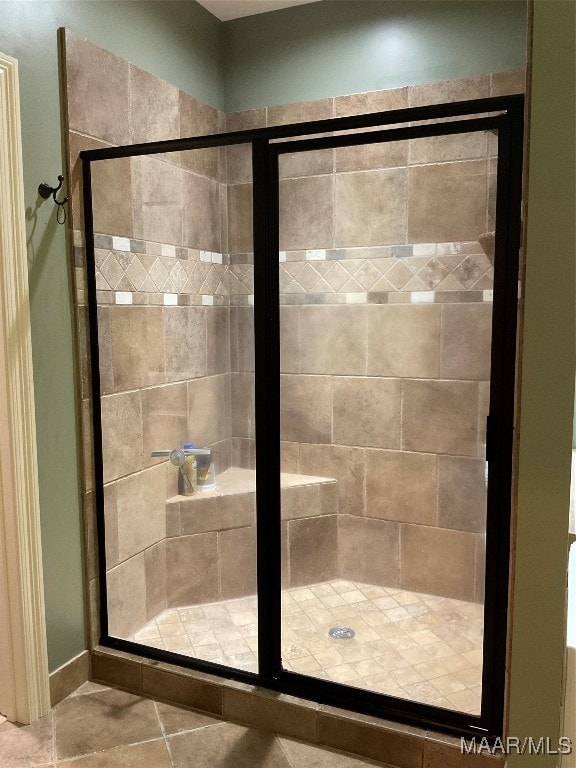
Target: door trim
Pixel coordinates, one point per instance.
(24, 688)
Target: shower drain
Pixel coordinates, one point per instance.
(341, 633)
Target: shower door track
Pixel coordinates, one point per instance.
(503, 115)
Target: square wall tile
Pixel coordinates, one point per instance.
(508, 83)
(112, 196)
(440, 417)
(480, 570)
(242, 338)
(238, 163)
(366, 412)
(447, 202)
(370, 208)
(333, 339)
(289, 339)
(105, 353)
(306, 212)
(155, 571)
(306, 408)
(240, 218)
(371, 157)
(368, 551)
(403, 340)
(110, 525)
(313, 550)
(192, 569)
(198, 119)
(157, 200)
(121, 434)
(242, 404)
(239, 156)
(141, 510)
(237, 562)
(442, 149)
(137, 348)
(184, 342)
(94, 108)
(126, 586)
(402, 486)
(466, 341)
(218, 340)
(462, 89)
(300, 501)
(289, 457)
(293, 165)
(245, 120)
(371, 101)
(209, 409)
(164, 419)
(201, 213)
(462, 493)
(154, 109)
(300, 112)
(346, 465)
(111, 189)
(437, 561)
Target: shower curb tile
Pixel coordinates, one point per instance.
(446, 752)
(389, 743)
(116, 668)
(186, 690)
(280, 713)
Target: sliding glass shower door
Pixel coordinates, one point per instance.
(303, 362)
(386, 288)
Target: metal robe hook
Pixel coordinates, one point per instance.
(45, 190)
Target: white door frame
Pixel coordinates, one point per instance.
(24, 688)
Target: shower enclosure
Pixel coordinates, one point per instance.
(330, 308)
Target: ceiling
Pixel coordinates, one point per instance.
(225, 10)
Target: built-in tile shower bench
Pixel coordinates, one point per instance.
(211, 537)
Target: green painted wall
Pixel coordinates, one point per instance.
(345, 46)
(547, 396)
(179, 42)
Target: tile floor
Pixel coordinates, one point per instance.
(98, 727)
(422, 647)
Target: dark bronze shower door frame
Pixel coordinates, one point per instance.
(505, 116)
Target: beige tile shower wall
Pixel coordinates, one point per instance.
(385, 331)
(165, 370)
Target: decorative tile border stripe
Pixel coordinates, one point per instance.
(383, 297)
(401, 251)
(441, 272)
(139, 272)
(157, 299)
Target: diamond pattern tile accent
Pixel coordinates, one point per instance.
(112, 271)
(336, 276)
(159, 274)
(136, 273)
(367, 275)
(332, 281)
(399, 275)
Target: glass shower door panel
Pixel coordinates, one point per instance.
(175, 306)
(385, 305)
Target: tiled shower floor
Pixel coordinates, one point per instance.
(406, 644)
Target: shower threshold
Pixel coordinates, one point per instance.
(406, 644)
